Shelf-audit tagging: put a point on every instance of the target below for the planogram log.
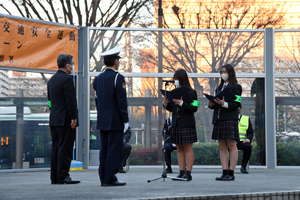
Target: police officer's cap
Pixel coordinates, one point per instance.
(112, 53)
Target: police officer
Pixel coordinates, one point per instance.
(246, 135)
(112, 117)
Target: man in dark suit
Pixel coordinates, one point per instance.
(246, 135)
(126, 150)
(112, 117)
(63, 119)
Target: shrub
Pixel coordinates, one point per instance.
(144, 156)
(288, 154)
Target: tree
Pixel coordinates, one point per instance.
(96, 13)
(204, 52)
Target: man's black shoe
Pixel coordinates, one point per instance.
(117, 183)
(220, 178)
(228, 178)
(169, 170)
(68, 180)
(53, 182)
(244, 170)
(121, 170)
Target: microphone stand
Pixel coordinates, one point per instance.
(164, 174)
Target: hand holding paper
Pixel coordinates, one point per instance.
(178, 101)
(178, 93)
(210, 103)
(220, 101)
(226, 94)
(167, 100)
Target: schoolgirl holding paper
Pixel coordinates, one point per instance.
(183, 125)
(225, 120)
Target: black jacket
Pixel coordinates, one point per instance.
(62, 95)
(111, 100)
(183, 116)
(230, 113)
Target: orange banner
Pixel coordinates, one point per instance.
(34, 45)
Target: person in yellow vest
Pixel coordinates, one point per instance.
(246, 135)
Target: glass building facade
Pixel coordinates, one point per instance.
(267, 66)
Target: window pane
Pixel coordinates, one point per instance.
(287, 52)
(24, 120)
(287, 120)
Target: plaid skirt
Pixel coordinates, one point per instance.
(183, 135)
(227, 129)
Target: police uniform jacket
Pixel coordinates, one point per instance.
(62, 99)
(230, 113)
(183, 116)
(111, 101)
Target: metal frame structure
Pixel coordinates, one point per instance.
(84, 75)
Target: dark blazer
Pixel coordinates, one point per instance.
(183, 116)
(232, 112)
(250, 131)
(62, 95)
(111, 102)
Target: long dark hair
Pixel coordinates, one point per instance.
(183, 79)
(231, 76)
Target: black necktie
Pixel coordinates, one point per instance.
(224, 86)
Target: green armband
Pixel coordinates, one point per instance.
(195, 103)
(238, 98)
(49, 104)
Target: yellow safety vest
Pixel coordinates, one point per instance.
(243, 127)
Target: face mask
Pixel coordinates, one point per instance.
(224, 77)
(177, 83)
(73, 69)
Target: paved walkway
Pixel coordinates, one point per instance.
(35, 184)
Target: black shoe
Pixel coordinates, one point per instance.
(187, 177)
(53, 182)
(169, 170)
(68, 180)
(220, 178)
(121, 170)
(117, 183)
(228, 178)
(179, 176)
(244, 170)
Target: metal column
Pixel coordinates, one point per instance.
(271, 157)
(160, 116)
(148, 119)
(83, 137)
(20, 129)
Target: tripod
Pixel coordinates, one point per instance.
(164, 174)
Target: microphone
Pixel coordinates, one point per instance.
(168, 81)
